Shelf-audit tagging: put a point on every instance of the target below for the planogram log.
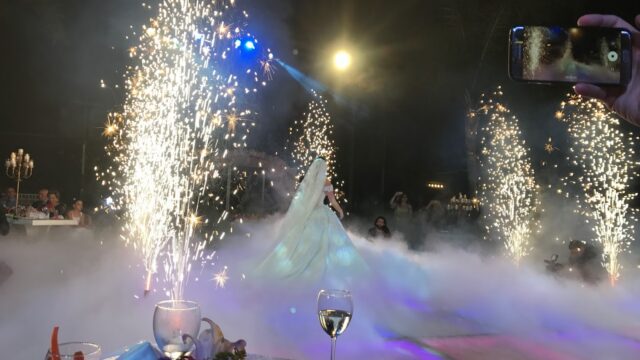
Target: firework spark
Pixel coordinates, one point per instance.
(221, 278)
(268, 67)
(111, 126)
(549, 147)
(508, 188)
(606, 163)
(171, 146)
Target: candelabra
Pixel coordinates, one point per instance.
(19, 166)
(462, 202)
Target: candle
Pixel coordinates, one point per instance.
(13, 162)
(31, 164)
(13, 155)
(7, 163)
(20, 151)
(26, 157)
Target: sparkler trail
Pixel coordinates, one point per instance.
(508, 189)
(312, 136)
(182, 115)
(606, 163)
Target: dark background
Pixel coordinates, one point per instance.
(420, 66)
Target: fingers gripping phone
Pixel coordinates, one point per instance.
(594, 55)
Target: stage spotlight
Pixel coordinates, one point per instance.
(249, 45)
(342, 60)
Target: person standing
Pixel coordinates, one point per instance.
(400, 205)
(403, 218)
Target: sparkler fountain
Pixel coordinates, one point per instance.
(605, 158)
(180, 119)
(508, 188)
(312, 136)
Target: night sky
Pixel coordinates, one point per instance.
(419, 65)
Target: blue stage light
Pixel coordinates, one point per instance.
(249, 45)
(237, 43)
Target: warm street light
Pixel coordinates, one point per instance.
(342, 60)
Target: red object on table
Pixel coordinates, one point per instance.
(55, 348)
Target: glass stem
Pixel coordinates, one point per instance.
(333, 348)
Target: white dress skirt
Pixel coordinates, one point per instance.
(313, 249)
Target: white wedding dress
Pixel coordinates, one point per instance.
(314, 246)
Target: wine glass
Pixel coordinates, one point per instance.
(69, 350)
(171, 320)
(335, 309)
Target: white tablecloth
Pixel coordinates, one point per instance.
(145, 351)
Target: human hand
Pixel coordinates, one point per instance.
(625, 101)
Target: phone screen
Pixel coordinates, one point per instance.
(556, 54)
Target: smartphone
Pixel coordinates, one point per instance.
(553, 54)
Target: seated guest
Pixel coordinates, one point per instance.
(8, 201)
(76, 214)
(55, 208)
(5, 272)
(43, 199)
(4, 224)
(380, 228)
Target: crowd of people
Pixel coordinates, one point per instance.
(436, 215)
(47, 205)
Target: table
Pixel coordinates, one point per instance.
(41, 222)
(145, 351)
(38, 226)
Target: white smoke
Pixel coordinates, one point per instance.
(89, 289)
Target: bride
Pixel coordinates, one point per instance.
(314, 247)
